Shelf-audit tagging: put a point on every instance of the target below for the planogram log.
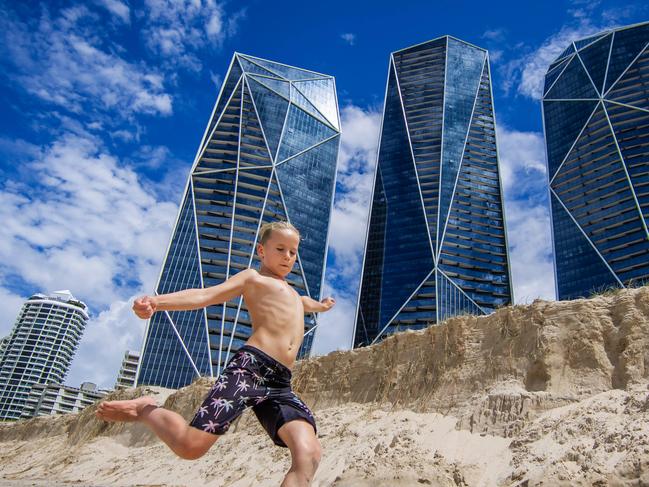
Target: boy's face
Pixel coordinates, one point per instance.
(279, 252)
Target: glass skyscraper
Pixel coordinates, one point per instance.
(269, 153)
(436, 244)
(596, 114)
(40, 348)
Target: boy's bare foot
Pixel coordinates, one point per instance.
(124, 410)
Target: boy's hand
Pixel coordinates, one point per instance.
(328, 303)
(144, 307)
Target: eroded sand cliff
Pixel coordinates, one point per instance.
(552, 393)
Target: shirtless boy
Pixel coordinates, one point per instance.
(257, 376)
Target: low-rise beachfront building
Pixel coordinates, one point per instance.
(128, 370)
(45, 399)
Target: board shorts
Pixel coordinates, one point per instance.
(252, 379)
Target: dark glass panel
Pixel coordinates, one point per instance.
(369, 310)
(464, 68)
(272, 112)
(302, 131)
(587, 40)
(407, 246)
(452, 301)
(633, 87)
(228, 87)
(580, 270)
(573, 83)
(220, 151)
(553, 73)
(563, 123)
(421, 80)
(595, 58)
(627, 44)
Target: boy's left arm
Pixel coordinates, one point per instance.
(313, 306)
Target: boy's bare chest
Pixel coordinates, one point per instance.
(273, 291)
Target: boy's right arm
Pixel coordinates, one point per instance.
(188, 299)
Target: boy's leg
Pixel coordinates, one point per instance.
(185, 441)
(300, 438)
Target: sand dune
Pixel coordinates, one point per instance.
(544, 394)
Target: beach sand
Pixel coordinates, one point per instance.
(548, 394)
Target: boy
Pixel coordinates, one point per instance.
(257, 376)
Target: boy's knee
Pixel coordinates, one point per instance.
(311, 451)
(191, 452)
(193, 446)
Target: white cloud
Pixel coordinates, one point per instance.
(217, 79)
(526, 72)
(494, 34)
(85, 222)
(117, 8)
(62, 61)
(349, 38)
(521, 158)
(356, 160)
(495, 55)
(524, 177)
(335, 327)
(178, 29)
(530, 247)
(9, 308)
(103, 344)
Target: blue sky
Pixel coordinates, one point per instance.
(106, 101)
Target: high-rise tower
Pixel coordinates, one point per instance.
(269, 153)
(436, 244)
(40, 347)
(596, 114)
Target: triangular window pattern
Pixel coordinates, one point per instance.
(284, 71)
(271, 109)
(302, 131)
(318, 92)
(253, 150)
(451, 301)
(593, 186)
(464, 70)
(572, 84)
(567, 121)
(595, 58)
(577, 263)
(279, 86)
(406, 227)
(632, 88)
(221, 150)
(627, 44)
(421, 80)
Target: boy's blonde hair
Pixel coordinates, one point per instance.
(267, 229)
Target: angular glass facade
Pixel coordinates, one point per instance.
(269, 153)
(596, 115)
(436, 244)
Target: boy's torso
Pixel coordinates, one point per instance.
(277, 316)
